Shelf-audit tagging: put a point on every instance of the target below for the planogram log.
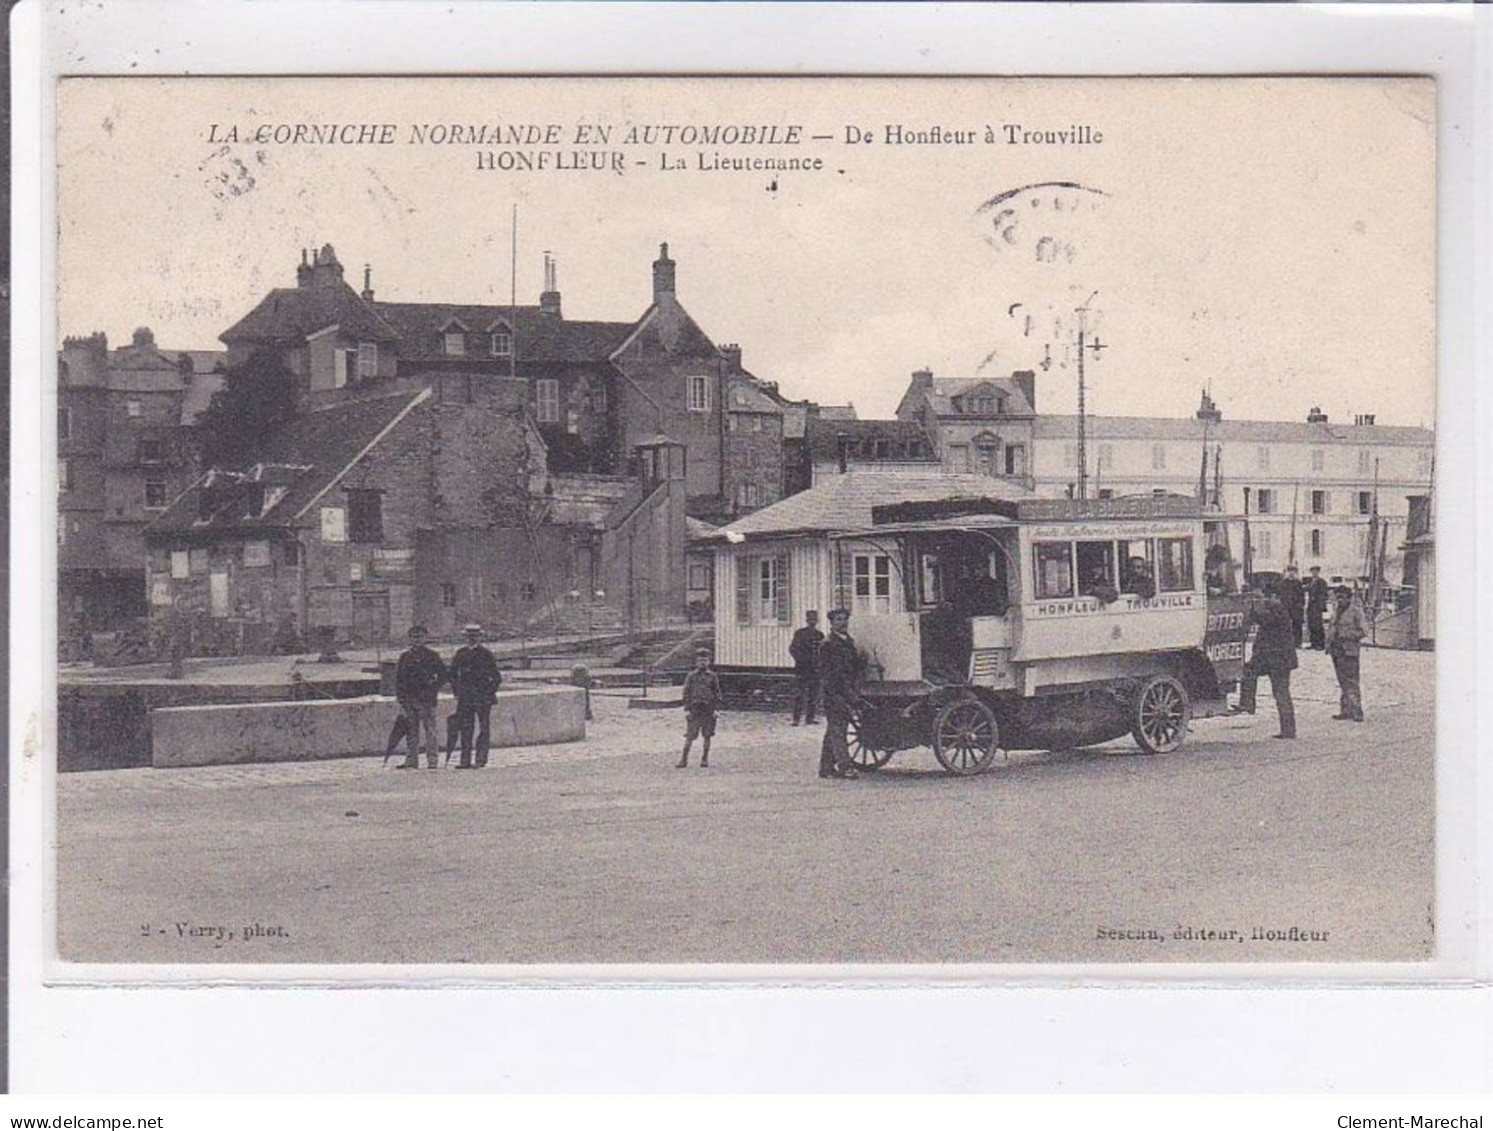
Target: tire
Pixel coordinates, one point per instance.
(1160, 715)
(862, 755)
(966, 737)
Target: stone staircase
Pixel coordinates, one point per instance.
(571, 618)
(672, 651)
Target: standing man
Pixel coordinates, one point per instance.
(1343, 638)
(805, 652)
(1293, 597)
(1316, 607)
(1274, 655)
(417, 681)
(475, 680)
(839, 673)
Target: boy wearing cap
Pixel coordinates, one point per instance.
(702, 696)
(475, 680)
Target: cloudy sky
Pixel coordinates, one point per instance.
(1273, 239)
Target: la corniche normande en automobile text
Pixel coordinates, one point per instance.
(665, 147)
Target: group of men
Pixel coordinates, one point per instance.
(474, 678)
(1278, 619)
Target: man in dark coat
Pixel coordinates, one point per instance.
(475, 680)
(1349, 626)
(1316, 608)
(1275, 656)
(839, 673)
(417, 682)
(1293, 598)
(804, 649)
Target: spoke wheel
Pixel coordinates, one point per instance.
(1161, 715)
(966, 738)
(862, 754)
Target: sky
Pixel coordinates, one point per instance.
(1270, 239)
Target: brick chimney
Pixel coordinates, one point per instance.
(663, 274)
(326, 271)
(1316, 416)
(143, 338)
(1208, 411)
(733, 356)
(1026, 381)
(303, 272)
(367, 282)
(549, 298)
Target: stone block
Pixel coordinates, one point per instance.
(232, 733)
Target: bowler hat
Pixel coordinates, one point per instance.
(473, 628)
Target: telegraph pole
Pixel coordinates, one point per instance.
(1096, 345)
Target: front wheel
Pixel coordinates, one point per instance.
(863, 755)
(966, 737)
(1161, 715)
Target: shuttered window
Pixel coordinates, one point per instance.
(763, 590)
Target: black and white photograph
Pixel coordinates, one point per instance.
(708, 522)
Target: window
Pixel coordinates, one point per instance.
(699, 394)
(1158, 457)
(1423, 461)
(62, 530)
(367, 360)
(365, 516)
(1362, 541)
(748, 495)
(501, 343)
(1174, 557)
(699, 575)
(959, 457)
(599, 400)
(1266, 500)
(155, 494)
(150, 451)
(762, 590)
(64, 475)
(873, 583)
(333, 524)
(1262, 456)
(1137, 567)
(1106, 492)
(448, 595)
(1263, 546)
(731, 423)
(455, 343)
(1365, 461)
(1015, 459)
(1315, 543)
(181, 564)
(528, 591)
(985, 459)
(1070, 455)
(985, 406)
(768, 580)
(132, 408)
(65, 423)
(547, 390)
(756, 423)
(930, 577)
(197, 560)
(1320, 502)
(1096, 568)
(1054, 562)
(1365, 502)
(292, 553)
(1319, 459)
(1106, 456)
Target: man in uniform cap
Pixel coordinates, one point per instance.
(417, 682)
(839, 675)
(1343, 638)
(475, 680)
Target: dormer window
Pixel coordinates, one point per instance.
(501, 343)
(455, 343)
(367, 360)
(985, 406)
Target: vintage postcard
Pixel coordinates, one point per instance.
(867, 522)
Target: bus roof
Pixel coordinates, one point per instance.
(1139, 507)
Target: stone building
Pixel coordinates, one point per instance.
(125, 449)
(1321, 481)
(977, 425)
(835, 447)
(423, 501)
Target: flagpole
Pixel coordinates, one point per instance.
(513, 297)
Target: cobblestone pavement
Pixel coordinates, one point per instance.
(601, 851)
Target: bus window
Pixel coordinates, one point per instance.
(1137, 568)
(1054, 569)
(931, 577)
(1096, 570)
(1174, 556)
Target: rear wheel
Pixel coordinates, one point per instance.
(1161, 715)
(966, 738)
(863, 755)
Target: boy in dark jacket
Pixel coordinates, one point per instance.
(417, 681)
(702, 697)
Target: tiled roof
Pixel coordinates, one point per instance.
(698, 528)
(290, 314)
(305, 456)
(901, 437)
(942, 390)
(744, 396)
(540, 337)
(837, 412)
(1255, 431)
(844, 502)
(795, 421)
